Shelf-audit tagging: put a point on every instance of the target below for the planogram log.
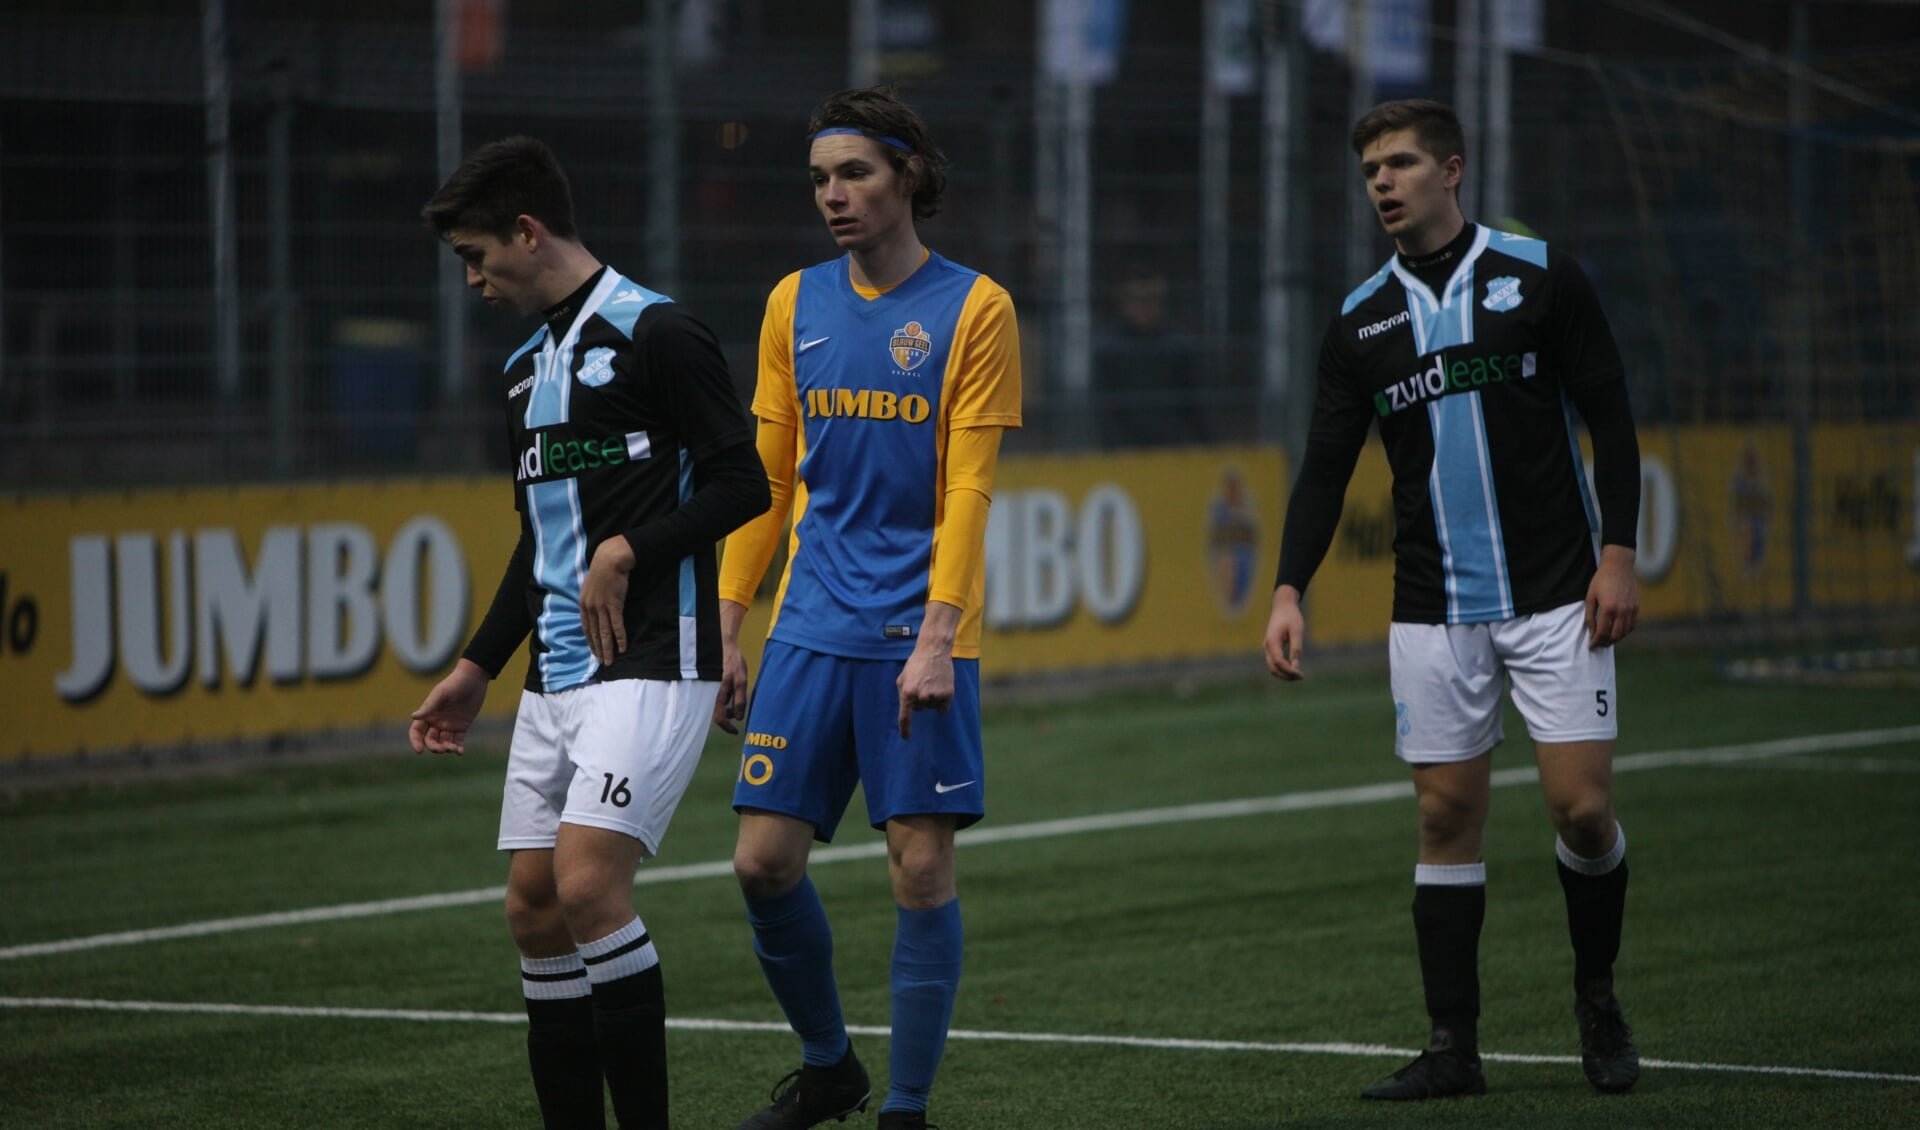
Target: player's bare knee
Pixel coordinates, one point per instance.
(1447, 817)
(763, 873)
(922, 874)
(532, 921)
(583, 889)
(923, 889)
(1585, 823)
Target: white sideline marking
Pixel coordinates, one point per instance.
(699, 1024)
(1841, 765)
(1007, 833)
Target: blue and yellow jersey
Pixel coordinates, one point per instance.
(880, 417)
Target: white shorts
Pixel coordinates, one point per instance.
(615, 755)
(1447, 683)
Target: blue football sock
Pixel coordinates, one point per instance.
(926, 975)
(794, 942)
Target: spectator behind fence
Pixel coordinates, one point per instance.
(1144, 382)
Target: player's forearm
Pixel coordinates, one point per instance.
(732, 615)
(939, 628)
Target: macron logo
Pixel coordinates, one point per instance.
(806, 345)
(624, 296)
(1383, 325)
(525, 384)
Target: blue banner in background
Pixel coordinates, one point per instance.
(1397, 36)
(1084, 39)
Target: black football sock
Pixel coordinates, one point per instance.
(1596, 891)
(560, 1043)
(1449, 906)
(630, 1024)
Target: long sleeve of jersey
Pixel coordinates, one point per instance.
(1616, 460)
(1334, 441)
(959, 542)
(729, 488)
(750, 548)
(1597, 385)
(508, 619)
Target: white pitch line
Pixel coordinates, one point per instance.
(703, 1024)
(1007, 833)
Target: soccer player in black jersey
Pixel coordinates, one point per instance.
(1472, 350)
(632, 457)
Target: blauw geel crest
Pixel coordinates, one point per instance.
(910, 346)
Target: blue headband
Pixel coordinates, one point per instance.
(893, 141)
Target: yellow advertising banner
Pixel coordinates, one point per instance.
(1716, 533)
(164, 617)
(167, 617)
(1103, 561)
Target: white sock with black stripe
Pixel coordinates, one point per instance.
(623, 953)
(630, 1024)
(554, 978)
(561, 1048)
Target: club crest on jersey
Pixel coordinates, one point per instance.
(910, 346)
(1503, 294)
(597, 368)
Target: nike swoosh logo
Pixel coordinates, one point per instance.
(806, 345)
(940, 788)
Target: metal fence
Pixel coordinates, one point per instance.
(1750, 220)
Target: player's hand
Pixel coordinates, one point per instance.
(1286, 639)
(441, 723)
(925, 683)
(603, 599)
(731, 706)
(1613, 598)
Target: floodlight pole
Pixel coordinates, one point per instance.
(1216, 167)
(1285, 400)
(446, 100)
(863, 42)
(218, 87)
(280, 362)
(1800, 321)
(1361, 223)
(1469, 58)
(663, 157)
(1496, 191)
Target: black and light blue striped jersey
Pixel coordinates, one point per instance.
(608, 407)
(1472, 383)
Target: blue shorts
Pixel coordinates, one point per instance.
(820, 724)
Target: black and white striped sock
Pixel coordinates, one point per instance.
(630, 1023)
(561, 1047)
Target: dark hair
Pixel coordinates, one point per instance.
(878, 112)
(1435, 126)
(499, 182)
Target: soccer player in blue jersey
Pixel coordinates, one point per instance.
(632, 457)
(1472, 350)
(886, 378)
